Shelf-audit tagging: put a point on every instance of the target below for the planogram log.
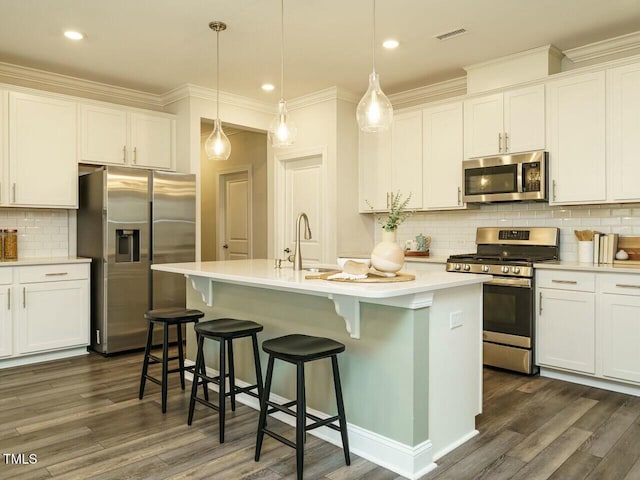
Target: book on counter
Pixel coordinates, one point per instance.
(605, 246)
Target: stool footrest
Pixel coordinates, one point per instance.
(280, 438)
(319, 422)
(153, 379)
(207, 403)
(276, 407)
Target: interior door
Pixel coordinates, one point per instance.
(304, 192)
(236, 221)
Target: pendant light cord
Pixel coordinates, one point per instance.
(218, 74)
(282, 49)
(373, 43)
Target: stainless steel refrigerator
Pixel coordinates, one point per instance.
(127, 220)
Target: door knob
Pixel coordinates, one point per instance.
(225, 245)
(287, 250)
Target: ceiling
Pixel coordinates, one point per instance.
(157, 45)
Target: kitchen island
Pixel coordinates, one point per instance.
(412, 370)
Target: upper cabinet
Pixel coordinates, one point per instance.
(43, 161)
(623, 133)
(502, 123)
(120, 137)
(391, 162)
(576, 135)
(442, 157)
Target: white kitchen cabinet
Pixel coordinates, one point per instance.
(566, 329)
(44, 309)
(442, 157)
(501, 123)
(576, 139)
(6, 330)
(112, 136)
(391, 162)
(566, 321)
(619, 326)
(152, 140)
(623, 133)
(43, 163)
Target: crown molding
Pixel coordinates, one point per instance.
(550, 49)
(191, 90)
(604, 48)
(331, 93)
(77, 86)
(452, 88)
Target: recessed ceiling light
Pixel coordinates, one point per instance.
(73, 35)
(390, 44)
(267, 87)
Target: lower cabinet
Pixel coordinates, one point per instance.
(43, 308)
(565, 315)
(589, 323)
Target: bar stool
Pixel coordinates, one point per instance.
(224, 331)
(299, 349)
(166, 317)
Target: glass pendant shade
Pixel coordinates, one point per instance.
(282, 130)
(217, 146)
(375, 112)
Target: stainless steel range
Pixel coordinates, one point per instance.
(508, 299)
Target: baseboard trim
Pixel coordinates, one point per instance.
(453, 446)
(42, 357)
(590, 381)
(410, 462)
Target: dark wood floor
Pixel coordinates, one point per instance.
(82, 419)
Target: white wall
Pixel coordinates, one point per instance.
(454, 232)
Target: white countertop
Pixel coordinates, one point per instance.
(45, 261)
(434, 259)
(589, 267)
(261, 273)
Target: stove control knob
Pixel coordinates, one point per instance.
(505, 269)
(456, 266)
(485, 268)
(467, 267)
(516, 270)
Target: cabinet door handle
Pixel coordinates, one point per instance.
(24, 297)
(506, 142)
(627, 285)
(135, 155)
(540, 303)
(387, 199)
(124, 153)
(459, 196)
(499, 142)
(56, 274)
(568, 282)
(9, 298)
(554, 190)
(14, 192)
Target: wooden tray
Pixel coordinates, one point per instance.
(400, 277)
(631, 245)
(415, 253)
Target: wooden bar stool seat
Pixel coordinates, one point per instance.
(299, 349)
(224, 331)
(166, 317)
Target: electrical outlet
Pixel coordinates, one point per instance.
(455, 319)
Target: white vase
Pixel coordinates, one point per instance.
(387, 256)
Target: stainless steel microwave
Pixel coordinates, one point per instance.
(506, 178)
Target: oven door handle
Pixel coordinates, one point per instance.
(510, 282)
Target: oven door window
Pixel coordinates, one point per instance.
(508, 309)
(487, 180)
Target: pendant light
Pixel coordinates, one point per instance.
(375, 112)
(217, 146)
(282, 130)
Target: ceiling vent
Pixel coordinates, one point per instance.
(451, 34)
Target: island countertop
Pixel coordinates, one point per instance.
(261, 273)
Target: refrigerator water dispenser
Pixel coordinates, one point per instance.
(127, 246)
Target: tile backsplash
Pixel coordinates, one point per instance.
(454, 232)
(42, 233)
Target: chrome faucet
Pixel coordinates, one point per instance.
(296, 258)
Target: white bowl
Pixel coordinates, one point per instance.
(343, 260)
